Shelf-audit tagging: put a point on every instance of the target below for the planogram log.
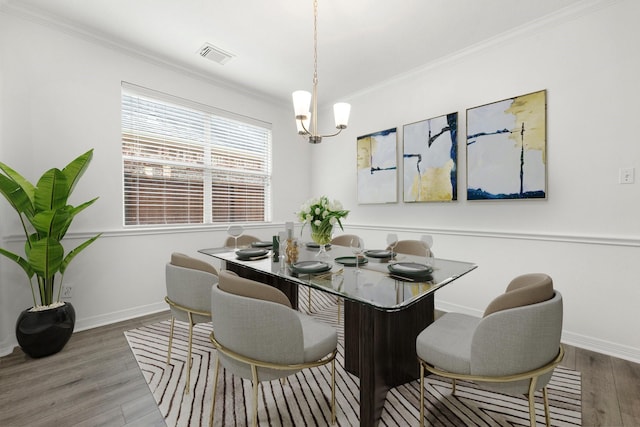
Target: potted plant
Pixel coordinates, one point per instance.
(45, 216)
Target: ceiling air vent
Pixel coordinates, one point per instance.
(215, 54)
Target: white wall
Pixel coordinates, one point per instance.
(4, 319)
(586, 235)
(63, 98)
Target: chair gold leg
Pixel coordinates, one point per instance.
(421, 395)
(255, 380)
(333, 391)
(215, 384)
(189, 361)
(309, 300)
(532, 376)
(339, 304)
(532, 407)
(453, 386)
(545, 396)
(254, 374)
(173, 319)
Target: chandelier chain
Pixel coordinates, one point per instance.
(315, 41)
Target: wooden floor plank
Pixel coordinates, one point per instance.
(627, 378)
(91, 381)
(150, 420)
(142, 408)
(569, 360)
(110, 418)
(599, 399)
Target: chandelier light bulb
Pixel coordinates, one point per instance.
(341, 112)
(301, 103)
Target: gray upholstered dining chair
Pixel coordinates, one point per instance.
(259, 337)
(513, 348)
(243, 241)
(188, 282)
(345, 240)
(411, 247)
(341, 240)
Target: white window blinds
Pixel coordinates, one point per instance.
(185, 163)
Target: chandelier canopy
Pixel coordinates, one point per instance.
(305, 104)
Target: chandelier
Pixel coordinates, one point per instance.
(306, 117)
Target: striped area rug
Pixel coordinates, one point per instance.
(304, 400)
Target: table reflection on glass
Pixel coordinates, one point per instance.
(383, 315)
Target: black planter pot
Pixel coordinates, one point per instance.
(42, 333)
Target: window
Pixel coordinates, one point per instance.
(186, 163)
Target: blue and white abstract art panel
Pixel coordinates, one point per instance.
(377, 166)
(506, 149)
(430, 155)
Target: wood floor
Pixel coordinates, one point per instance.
(95, 381)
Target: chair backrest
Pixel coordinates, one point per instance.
(523, 290)
(345, 240)
(182, 260)
(411, 247)
(258, 329)
(234, 284)
(244, 240)
(516, 340)
(189, 287)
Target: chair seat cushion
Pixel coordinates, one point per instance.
(446, 343)
(320, 339)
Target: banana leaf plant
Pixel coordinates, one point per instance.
(45, 216)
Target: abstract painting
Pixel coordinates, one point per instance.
(377, 165)
(430, 159)
(506, 149)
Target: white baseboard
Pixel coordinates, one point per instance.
(447, 307)
(119, 316)
(7, 346)
(600, 346)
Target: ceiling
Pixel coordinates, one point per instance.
(361, 42)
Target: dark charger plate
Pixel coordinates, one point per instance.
(314, 245)
(411, 270)
(379, 253)
(251, 253)
(310, 267)
(350, 261)
(264, 244)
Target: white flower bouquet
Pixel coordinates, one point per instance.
(321, 214)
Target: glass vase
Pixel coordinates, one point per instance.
(322, 237)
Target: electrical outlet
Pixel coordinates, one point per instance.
(67, 291)
(627, 175)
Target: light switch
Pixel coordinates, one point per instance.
(627, 175)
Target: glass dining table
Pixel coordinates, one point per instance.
(384, 310)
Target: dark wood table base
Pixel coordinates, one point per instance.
(380, 349)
